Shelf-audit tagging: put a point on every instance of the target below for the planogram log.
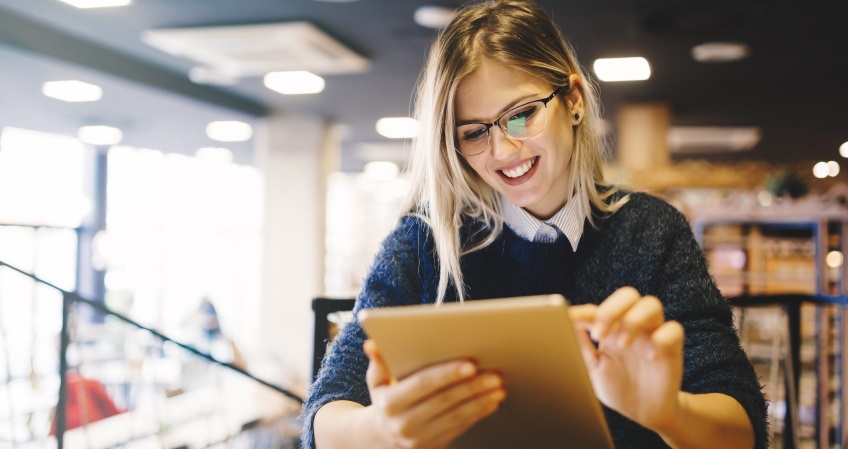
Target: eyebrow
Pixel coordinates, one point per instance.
(509, 106)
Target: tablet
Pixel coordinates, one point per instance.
(530, 340)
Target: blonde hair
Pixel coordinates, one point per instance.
(520, 34)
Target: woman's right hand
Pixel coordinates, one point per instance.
(432, 407)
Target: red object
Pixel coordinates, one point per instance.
(87, 402)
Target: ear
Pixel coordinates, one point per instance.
(574, 99)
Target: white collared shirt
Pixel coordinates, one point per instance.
(569, 220)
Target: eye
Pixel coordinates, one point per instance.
(523, 113)
(474, 133)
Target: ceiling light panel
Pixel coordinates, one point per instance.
(294, 83)
(397, 127)
(72, 91)
(88, 4)
(254, 50)
(720, 52)
(622, 69)
(433, 16)
(229, 131)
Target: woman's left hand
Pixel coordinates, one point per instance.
(637, 367)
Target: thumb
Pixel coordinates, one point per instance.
(378, 372)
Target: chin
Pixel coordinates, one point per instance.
(521, 200)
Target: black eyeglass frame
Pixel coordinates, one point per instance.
(489, 126)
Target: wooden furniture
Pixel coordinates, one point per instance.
(763, 282)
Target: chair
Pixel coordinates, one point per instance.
(323, 307)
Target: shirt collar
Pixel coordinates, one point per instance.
(569, 220)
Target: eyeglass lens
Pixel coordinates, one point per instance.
(522, 122)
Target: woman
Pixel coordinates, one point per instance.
(508, 200)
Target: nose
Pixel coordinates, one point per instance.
(501, 144)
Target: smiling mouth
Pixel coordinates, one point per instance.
(519, 174)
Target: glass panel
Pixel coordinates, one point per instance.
(56, 256)
(361, 211)
(41, 179)
(164, 253)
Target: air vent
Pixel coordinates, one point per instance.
(254, 50)
(712, 139)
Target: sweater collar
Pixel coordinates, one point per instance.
(569, 220)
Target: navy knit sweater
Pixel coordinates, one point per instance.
(647, 244)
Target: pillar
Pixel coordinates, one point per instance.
(641, 141)
(294, 153)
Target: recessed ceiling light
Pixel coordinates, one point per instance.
(720, 52)
(843, 149)
(622, 69)
(215, 154)
(297, 82)
(229, 131)
(821, 170)
(100, 135)
(397, 127)
(832, 168)
(86, 4)
(433, 16)
(72, 91)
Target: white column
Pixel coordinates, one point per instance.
(294, 153)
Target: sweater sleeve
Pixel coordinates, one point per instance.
(714, 361)
(395, 278)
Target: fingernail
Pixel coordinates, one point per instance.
(466, 369)
(498, 395)
(492, 381)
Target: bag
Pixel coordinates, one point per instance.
(87, 402)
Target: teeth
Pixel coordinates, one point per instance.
(520, 170)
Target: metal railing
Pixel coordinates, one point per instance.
(69, 300)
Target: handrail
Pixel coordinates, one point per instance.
(100, 307)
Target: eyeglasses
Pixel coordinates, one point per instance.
(521, 122)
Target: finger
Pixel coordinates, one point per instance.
(583, 315)
(587, 348)
(446, 400)
(667, 340)
(612, 310)
(420, 385)
(643, 318)
(377, 373)
(450, 426)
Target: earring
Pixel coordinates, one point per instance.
(576, 116)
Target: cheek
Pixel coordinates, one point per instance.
(478, 166)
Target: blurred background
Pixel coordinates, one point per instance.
(214, 170)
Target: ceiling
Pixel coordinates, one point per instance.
(794, 87)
